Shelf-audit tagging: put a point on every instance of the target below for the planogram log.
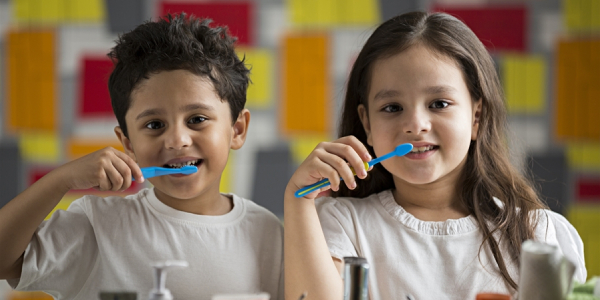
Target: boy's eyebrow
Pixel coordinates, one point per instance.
(149, 112)
(158, 111)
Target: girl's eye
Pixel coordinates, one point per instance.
(392, 108)
(196, 120)
(155, 125)
(439, 104)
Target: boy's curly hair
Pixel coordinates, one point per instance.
(177, 43)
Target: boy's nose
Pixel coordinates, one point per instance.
(177, 138)
(416, 122)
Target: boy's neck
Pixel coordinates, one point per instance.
(436, 201)
(211, 203)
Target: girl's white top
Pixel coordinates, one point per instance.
(429, 260)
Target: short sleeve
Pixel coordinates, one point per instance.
(553, 228)
(338, 228)
(61, 254)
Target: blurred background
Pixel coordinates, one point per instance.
(55, 105)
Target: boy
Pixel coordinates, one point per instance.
(178, 91)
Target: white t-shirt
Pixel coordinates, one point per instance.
(109, 244)
(429, 260)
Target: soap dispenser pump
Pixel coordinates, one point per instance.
(159, 292)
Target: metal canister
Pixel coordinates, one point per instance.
(356, 272)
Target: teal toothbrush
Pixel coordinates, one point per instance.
(150, 172)
(400, 150)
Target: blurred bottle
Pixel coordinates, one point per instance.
(356, 272)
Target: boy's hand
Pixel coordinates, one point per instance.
(331, 160)
(104, 170)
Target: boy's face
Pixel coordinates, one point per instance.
(176, 118)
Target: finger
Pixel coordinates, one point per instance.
(339, 168)
(124, 171)
(114, 176)
(104, 183)
(325, 170)
(134, 169)
(358, 146)
(349, 153)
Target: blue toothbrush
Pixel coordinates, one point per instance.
(150, 172)
(399, 151)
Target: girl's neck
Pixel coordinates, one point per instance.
(437, 201)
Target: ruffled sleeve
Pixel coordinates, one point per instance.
(554, 229)
(337, 227)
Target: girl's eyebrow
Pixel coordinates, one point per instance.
(440, 89)
(384, 94)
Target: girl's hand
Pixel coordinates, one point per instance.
(331, 160)
(105, 170)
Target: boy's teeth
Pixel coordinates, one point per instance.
(181, 165)
(421, 149)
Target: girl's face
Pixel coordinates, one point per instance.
(420, 97)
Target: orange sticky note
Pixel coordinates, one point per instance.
(305, 108)
(577, 89)
(31, 80)
(78, 147)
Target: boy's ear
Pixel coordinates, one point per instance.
(476, 117)
(240, 129)
(125, 142)
(364, 119)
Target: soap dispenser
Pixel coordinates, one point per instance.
(159, 292)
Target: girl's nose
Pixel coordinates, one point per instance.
(177, 138)
(416, 122)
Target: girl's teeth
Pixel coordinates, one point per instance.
(421, 149)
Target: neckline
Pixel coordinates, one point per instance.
(172, 214)
(449, 227)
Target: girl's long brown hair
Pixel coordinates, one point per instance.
(488, 172)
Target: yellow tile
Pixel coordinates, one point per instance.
(226, 184)
(58, 11)
(305, 107)
(333, 13)
(584, 156)
(301, 146)
(65, 202)
(586, 219)
(524, 83)
(40, 147)
(581, 15)
(261, 64)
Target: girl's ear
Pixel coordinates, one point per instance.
(476, 116)
(240, 129)
(364, 119)
(125, 142)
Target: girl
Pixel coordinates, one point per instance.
(445, 221)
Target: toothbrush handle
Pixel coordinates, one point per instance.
(311, 188)
(321, 184)
(147, 173)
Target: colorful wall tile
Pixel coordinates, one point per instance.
(44, 147)
(31, 76)
(305, 107)
(58, 11)
(577, 89)
(524, 80)
(500, 28)
(333, 13)
(78, 147)
(584, 156)
(581, 15)
(238, 16)
(262, 66)
(586, 219)
(94, 99)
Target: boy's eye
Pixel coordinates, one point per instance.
(439, 104)
(196, 120)
(155, 125)
(392, 108)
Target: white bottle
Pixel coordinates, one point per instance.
(159, 292)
